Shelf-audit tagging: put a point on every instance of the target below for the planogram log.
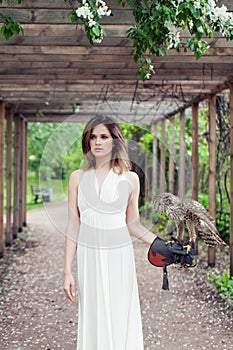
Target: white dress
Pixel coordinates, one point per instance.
(109, 309)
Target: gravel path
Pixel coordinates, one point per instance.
(35, 314)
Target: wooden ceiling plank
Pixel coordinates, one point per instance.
(50, 5)
(60, 16)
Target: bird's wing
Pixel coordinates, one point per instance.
(205, 227)
(191, 204)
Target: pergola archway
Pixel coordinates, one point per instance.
(51, 71)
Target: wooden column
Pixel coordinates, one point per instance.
(195, 158)
(2, 116)
(155, 160)
(182, 156)
(9, 121)
(147, 196)
(162, 157)
(195, 151)
(21, 172)
(231, 185)
(171, 157)
(16, 175)
(212, 170)
(25, 135)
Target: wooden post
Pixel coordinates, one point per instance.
(212, 170)
(25, 135)
(2, 116)
(147, 197)
(16, 176)
(182, 156)
(21, 172)
(9, 120)
(171, 157)
(231, 185)
(162, 157)
(195, 159)
(155, 160)
(195, 151)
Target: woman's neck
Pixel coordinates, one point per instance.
(103, 164)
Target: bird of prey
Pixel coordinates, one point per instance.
(190, 213)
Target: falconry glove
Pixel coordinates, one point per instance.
(162, 254)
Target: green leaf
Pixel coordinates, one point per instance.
(96, 31)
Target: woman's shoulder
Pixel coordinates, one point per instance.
(132, 177)
(76, 176)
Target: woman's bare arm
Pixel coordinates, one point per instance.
(71, 235)
(135, 227)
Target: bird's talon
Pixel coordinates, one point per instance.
(188, 247)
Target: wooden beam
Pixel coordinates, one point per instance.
(51, 5)
(231, 184)
(212, 170)
(9, 121)
(25, 164)
(16, 224)
(162, 156)
(60, 16)
(21, 173)
(2, 116)
(182, 156)
(195, 151)
(60, 4)
(195, 165)
(171, 157)
(146, 184)
(89, 50)
(155, 159)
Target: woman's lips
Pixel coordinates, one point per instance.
(98, 149)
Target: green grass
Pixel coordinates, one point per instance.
(59, 189)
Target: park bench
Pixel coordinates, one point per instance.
(44, 194)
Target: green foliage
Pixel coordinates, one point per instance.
(9, 1)
(222, 282)
(10, 26)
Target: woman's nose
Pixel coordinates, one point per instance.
(97, 141)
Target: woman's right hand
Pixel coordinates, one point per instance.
(69, 286)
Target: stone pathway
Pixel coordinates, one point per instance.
(35, 313)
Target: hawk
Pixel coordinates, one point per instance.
(190, 213)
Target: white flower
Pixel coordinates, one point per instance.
(151, 67)
(103, 11)
(97, 40)
(148, 75)
(197, 4)
(91, 23)
(173, 37)
(84, 11)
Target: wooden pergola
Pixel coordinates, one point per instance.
(52, 74)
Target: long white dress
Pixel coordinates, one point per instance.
(109, 310)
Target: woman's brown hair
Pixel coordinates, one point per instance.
(120, 160)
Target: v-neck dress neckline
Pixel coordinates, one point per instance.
(100, 188)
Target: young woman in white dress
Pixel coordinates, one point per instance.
(103, 215)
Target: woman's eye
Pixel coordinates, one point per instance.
(92, 137)
(104, 136)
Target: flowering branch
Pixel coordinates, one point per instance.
(89, 13)
(158, 25)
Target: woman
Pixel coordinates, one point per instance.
(103, 213)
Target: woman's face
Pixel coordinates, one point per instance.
(101, 141)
